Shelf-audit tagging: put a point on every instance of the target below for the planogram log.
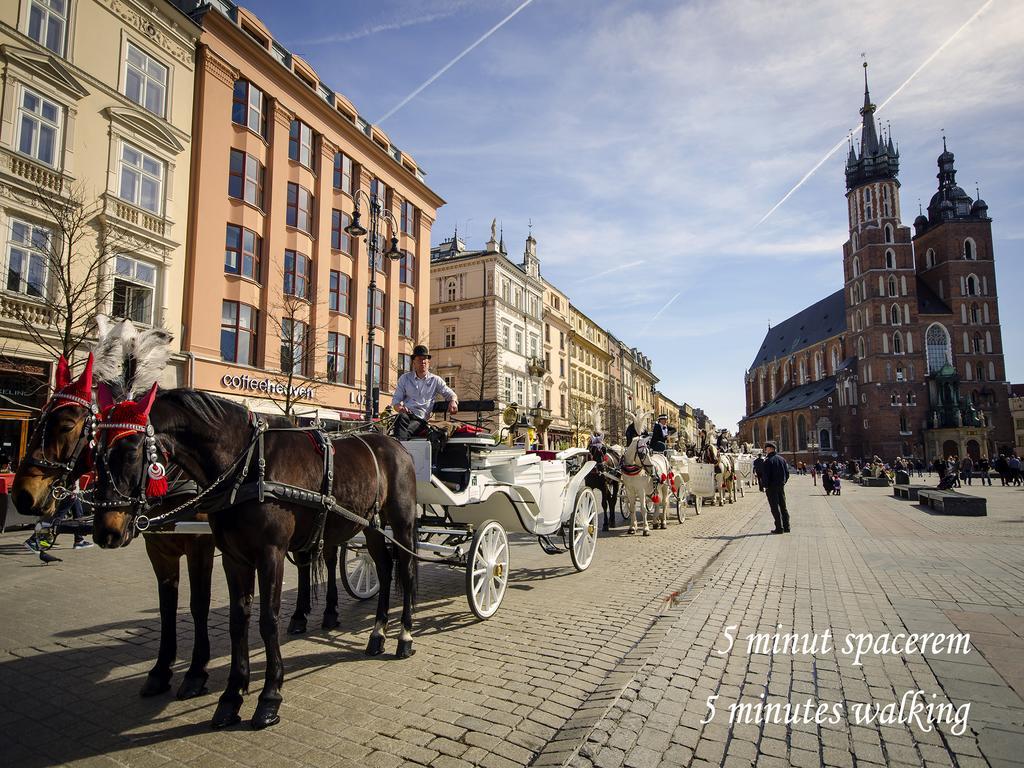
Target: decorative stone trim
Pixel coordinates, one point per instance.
(216, 67)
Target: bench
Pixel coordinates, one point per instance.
(907, 491)
(952, 503)
(874, 482)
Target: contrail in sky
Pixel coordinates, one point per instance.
(664, 307)
(619, 268)
(893, 95)
(454, 61)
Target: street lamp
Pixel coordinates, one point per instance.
(355, 229)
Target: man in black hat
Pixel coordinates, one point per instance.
(415, 394)
(774, 476)
(660, 433)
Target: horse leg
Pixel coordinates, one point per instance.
(407, 573)
(631, 508)
(303, 604)
(199, 557)
(645, 499)
(166, 568)
(382, 559)
(241, 578)
(330, 620)
(271, 576)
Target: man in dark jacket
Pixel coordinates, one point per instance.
(774, 475)
(758, 466)
(660, 433)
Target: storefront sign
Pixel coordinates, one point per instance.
(268, 386)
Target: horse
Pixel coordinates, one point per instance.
(645, 478)
(296, 491)
(600, 479)
(725, 475)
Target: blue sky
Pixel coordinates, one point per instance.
(662, 132)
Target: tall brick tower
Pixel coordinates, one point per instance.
(884, 401)
(964, 349)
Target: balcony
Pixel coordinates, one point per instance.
(540, 417)
(38, 176)
(536, 367)
(22, 310)
(139, 219)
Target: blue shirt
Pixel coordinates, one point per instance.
(418, 394)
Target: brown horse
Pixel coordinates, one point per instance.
(221, 446)
(598, 478)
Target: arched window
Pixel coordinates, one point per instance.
(890, 259)
(868, 214)
(893, 289)
(760, 386)
(888, 232)
(784, 434)
(912, 398)
(971, 286)
(887, 207)
(893, 400)
(803, 371)
(853, 241)
(975, 314)
(936, 341)
(801, 433)
(904, 422)
(858, 322)
(899, 373)
(819, 370)
(978, 346)
(451, 290)
(856, 266)
(895, 316)
(929, 258)
(835, 359)
(897, 343)
(981, 372)
(970, 250)
(860, 347)
(825, 440)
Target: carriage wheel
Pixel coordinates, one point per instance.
(359, 573)
(584, 530)
(487, 569)
(625, 502)
(679, 507)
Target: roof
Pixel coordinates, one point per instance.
(799, 397)
(928, 303)
(808, 326)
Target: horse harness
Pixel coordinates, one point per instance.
(85, 438)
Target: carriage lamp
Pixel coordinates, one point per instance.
(356, 229)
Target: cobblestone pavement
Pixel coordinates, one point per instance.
(860, 563)
(578, 669)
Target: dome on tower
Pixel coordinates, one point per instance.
(980, 208)
(921, 223)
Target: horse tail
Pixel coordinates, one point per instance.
(317, 573)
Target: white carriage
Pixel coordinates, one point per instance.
(472, 496)
(744, 468)
(701, 483)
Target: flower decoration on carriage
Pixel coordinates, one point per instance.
(131, 417)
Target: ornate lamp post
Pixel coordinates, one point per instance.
(355, 229)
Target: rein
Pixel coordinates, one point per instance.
(85, 438)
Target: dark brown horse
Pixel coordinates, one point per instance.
(212, 440)
(600, 479)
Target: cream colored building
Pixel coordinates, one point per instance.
(644, 382)
(557, 331)
(589, 364)
(97, 103)
(688, 423)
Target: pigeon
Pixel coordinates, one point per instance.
(47, 558)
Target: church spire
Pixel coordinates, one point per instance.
(868, 133)
(878, 161)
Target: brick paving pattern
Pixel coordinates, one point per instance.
(579, 669)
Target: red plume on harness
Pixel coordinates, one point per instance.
(68, 392)
(131, 417)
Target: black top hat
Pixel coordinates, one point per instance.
(662, 416)
(420, 350)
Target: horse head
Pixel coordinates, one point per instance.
(57, 450)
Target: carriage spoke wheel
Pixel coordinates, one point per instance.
(487, 569)
(584, 530)
(358, 573)
(680, 503)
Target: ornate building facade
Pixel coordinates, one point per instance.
(907, 358)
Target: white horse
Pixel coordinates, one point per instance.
(645, 478)
(725, 474)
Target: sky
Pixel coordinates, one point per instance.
(646, 141)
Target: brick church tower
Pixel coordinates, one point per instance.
(883, 393)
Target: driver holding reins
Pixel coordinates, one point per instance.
(415, 395)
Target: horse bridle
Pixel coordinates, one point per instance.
(85, 438)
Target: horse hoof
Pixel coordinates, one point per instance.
(646, 532)
(297, 626)
(376, 646)
(191, 687)
(265, 715)
(605, 528)
(405, 649)
(154, 686)
(330, 621)
(631, 531)
(225, 716)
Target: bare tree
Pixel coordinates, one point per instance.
(79, 251)
(480, 379)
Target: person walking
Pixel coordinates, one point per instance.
(1013, 465)
(967, 469)
(758, 466)
(775, 474)
(983, 468)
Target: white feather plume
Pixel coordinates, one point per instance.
(127, 359)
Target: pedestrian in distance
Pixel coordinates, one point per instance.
(967, 469)
(775, 475)
(983, 471)
(758, 466)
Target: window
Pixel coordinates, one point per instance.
(145, 81)
(337, 357)
(408, 218)
(249, 107)
(28, 252)
(405, 364)
(340, 239)
(977, 344)
(505, 335)
(343, 172)
(300, 143)
(134, 286)
(887, 210)
(407, 269)
(888, 233)
(890, 260)
(242, 252)
(293, 346)
(245, 178)
(975, 315)
(405, 319)
(894, 314)
(893, 289)
(449, 336)
(299, 208)
(47, 23)
(375, 307)
(904, 423)
(39, 128)
(929, 258)
(856, 266)
(238, 333)
(297, 269)
(508, 389)
(860, 348)
(378, 364)
(338, 293)
(937, 347)
(867, 204)
(972, 286)
(970, 251)
(897, 343)
(519, 341)
(451, 290)
(900, 375)
(379, 193)
(142, 179)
